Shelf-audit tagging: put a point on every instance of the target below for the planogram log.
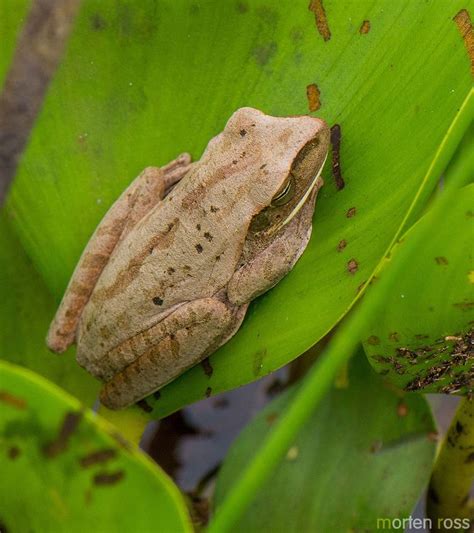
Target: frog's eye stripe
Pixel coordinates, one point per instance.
(286, 194)
(303, 199)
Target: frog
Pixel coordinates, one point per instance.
(168, 274)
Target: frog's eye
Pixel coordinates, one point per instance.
(285, 194)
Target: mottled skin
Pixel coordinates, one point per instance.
(167, 276)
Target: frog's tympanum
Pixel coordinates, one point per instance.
(168, 274)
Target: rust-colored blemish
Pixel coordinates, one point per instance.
(14, 452)
(394, 336)
(373, 340)
(336, 162)
(12, 400)
(271, 417)
(100, 456)
(352, 266)
(105, 478)
(316, 6)
(68, 427)
(433, 436)
(402, 409)
(341, 245)
(365, 27)
(313, 94)
(464, 24)
(351, 212)
(441, 260)
(207, 367)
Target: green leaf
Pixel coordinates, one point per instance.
(144, 81)
(366, 453)
(321, 375)
(422, 339)
(65, 469)
(12, 15)
(26, 306)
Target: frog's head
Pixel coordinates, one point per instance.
(290, 153)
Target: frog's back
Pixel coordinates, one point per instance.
(189, 245)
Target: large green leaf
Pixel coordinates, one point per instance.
(365, 454)
(65, 469)
(143, 81)
(25, 308)
(422, 340)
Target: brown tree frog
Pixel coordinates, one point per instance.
(168, 274)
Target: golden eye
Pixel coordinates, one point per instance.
(285, 194)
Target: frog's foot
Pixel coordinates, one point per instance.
(145, 191)
(180, 341)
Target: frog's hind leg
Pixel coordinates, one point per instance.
(143, 193)
(191, 333)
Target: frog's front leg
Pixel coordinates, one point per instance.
(180, 341)
(144, 192)
(268, 267)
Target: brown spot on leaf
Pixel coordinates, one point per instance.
(68, 427)
(394, 336)
(105, 478)
(207, 367)
(100, 456)
(144, 406)
(464, 306)
(313, 94)
(208, 392)
(341, 245)
(373, 340)
(97, 22)
(242, 7)
(441, 260)
(12, 400)
(264, 53)
(365, 27)
(402, 409)
(464, 24)
(470, 458)
(351, 212)
(352, 266)
(157, 395)
(316, 6)
(14, 452)
(336, 163)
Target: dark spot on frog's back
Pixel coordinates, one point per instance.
(157, 300)
(243, 133)
(208, 236)
(199, 248)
